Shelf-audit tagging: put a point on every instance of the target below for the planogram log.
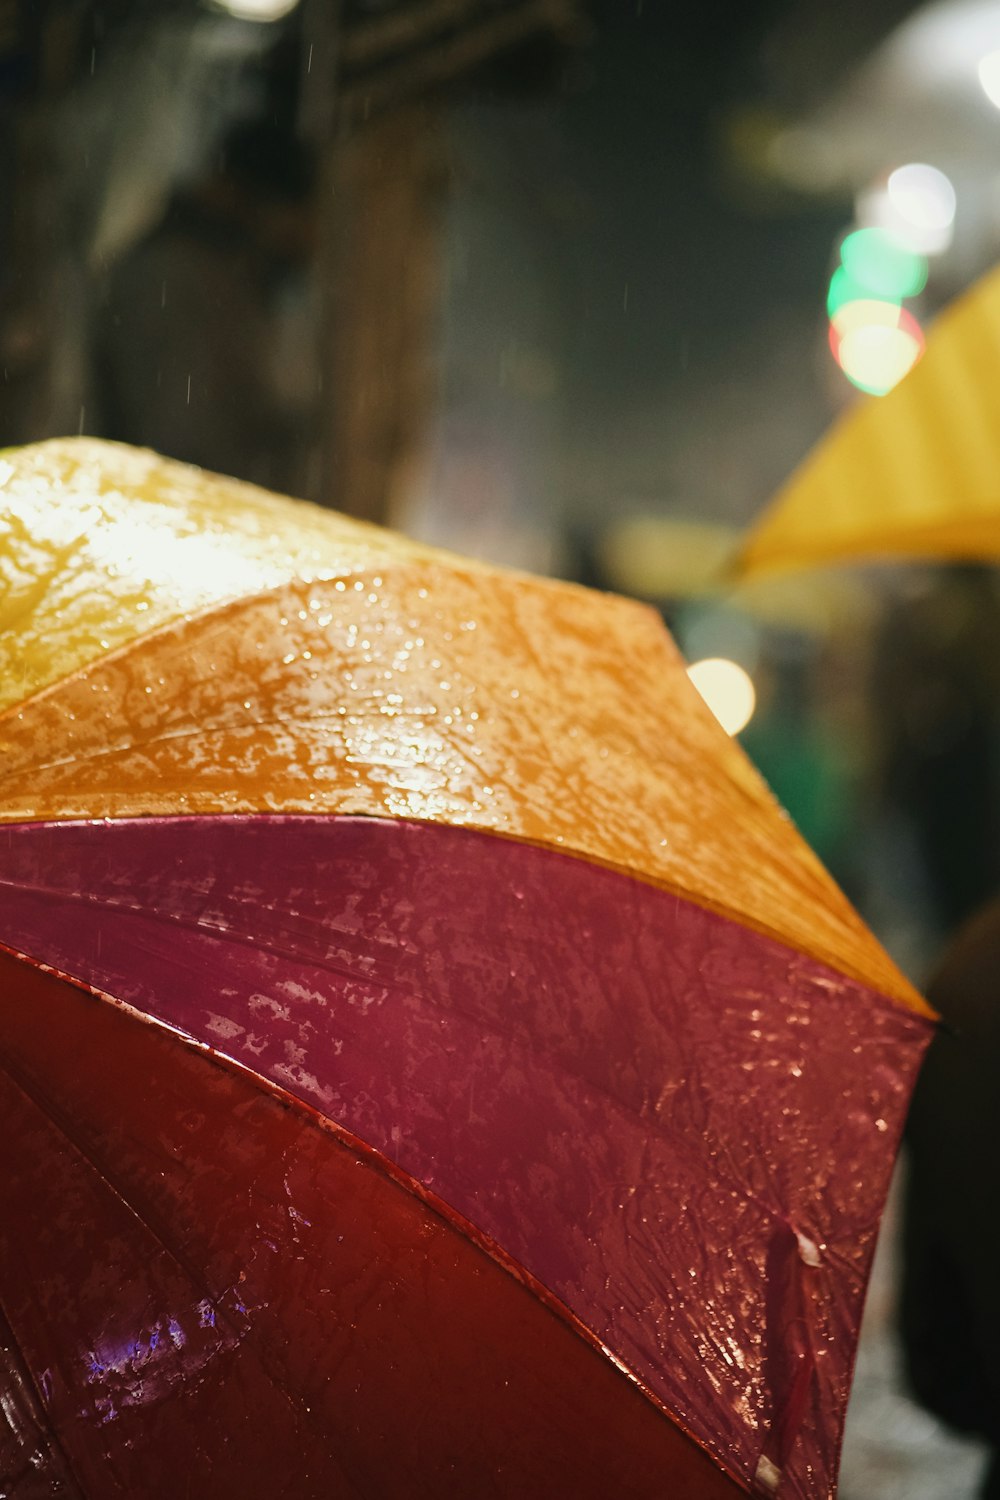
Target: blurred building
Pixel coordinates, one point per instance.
(167, 285)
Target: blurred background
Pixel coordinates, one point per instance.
(568, 285)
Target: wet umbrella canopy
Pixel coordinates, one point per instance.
(431, 1064)
(912, 474)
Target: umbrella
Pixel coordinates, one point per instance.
(432, 1062)
(913, 473)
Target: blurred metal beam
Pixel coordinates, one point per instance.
(369, 42)
(447, 57)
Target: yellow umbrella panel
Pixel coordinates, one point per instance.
(915, 473)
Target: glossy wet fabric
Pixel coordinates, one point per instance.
(642, 1102)
(215, 1295)
(101, 544)
(483, 944)
(547, 714)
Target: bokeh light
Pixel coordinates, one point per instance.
(881, 263)
(915, 204)
(875, 355)
(989, 76)
(873, 338)
(727, 689)
(256, 10)
(922, 196)
(865, 313)
(845, 289)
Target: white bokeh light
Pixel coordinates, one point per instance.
(727, 689)
(916, 205)
(922, 195)
(875, 357)
(256, 10)
(989, 76)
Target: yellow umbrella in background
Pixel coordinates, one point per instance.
(916, 473)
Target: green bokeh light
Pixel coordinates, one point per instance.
(882, 266)
(845, 288)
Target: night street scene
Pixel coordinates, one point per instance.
(499, 749)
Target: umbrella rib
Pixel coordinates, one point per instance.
(186, 734)
(197, 1280)
(52, 1111)
(341, 971)
(661, 879)
(230, 934)
(648, 1123)
(20, 1370)
(143, 744)
(396, 1173)
(192, 734)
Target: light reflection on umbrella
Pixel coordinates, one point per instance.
(435, 1063)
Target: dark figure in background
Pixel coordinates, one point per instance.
(938, 695)
(950, 1305)
(185, 356)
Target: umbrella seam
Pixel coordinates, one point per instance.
(454, 1219)
(644, 1124)
(915, 1006)
(153, 1224)
(53, 1439)
(52, 1111)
